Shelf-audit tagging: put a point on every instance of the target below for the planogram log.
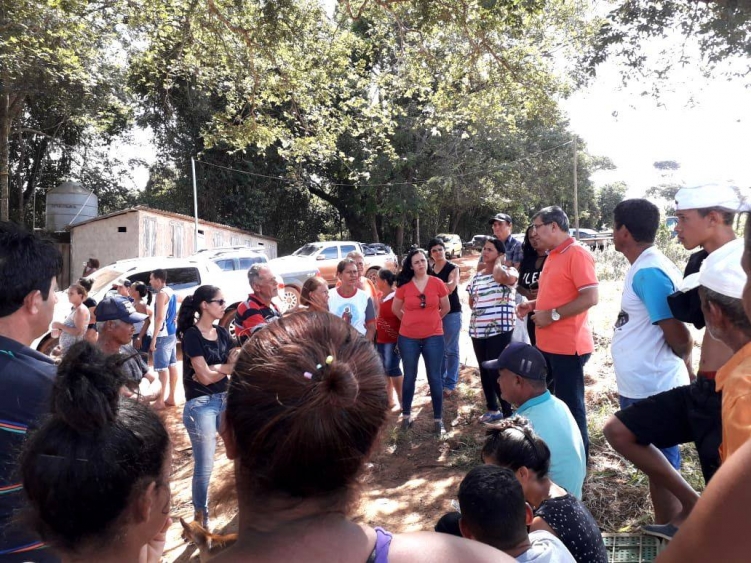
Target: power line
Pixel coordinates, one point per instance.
(389, 184)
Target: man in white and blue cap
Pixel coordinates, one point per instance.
(688, 413)
(522, 373)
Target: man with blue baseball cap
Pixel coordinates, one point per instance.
(522, 377)
(115, 318)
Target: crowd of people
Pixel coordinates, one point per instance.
(300, 398)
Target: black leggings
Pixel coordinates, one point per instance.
(487, 349)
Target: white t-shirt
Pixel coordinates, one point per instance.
(644, 363)
(546, 548)
(357, 310)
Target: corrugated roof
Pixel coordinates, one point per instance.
(167, 214)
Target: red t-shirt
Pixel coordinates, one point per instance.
(387, 329)
(419, 322)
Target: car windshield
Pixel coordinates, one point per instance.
(103, 278)
(307, 250)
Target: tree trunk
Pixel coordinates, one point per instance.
(4, 156)
(373, 229)
(10, 108)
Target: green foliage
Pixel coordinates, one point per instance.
(608, 197)
(712, 32)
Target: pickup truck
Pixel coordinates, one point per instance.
(327, 255)
(184, 275)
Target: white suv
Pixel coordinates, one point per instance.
(184, 275)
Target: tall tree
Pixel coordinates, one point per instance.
(55, 81)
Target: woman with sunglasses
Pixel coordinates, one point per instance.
(421, 302)
(492, 298)
(209, 356)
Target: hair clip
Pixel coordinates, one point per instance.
(329, 360)
(308, 375)
(318, 366)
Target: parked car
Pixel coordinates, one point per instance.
(593, 239)
(670, 223)
(453, 244)
(327, 255)
(184, 275)
(478, 241)
(235, 262)
(377, 256)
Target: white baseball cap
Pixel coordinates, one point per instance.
(721, 271)
(723, 196)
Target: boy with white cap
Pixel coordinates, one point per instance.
(690, 412)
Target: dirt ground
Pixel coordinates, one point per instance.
(412, 480)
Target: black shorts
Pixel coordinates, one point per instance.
(690, 413)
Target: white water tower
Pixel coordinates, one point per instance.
(68, 204)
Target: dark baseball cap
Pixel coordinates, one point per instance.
(118, 308)
(522, 359)
(500, 217)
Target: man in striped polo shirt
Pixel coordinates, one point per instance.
(28, 268)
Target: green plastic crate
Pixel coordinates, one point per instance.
(631, 548)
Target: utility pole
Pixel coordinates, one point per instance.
(576, 197)
(195, 204)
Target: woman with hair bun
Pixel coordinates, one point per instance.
(97, 472)
(512, 443)
(305, 406)
(208, 359)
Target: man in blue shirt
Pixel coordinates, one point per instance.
(522, 377)
(502, 226)
(27, 303)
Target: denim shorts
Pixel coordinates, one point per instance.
(165, 352)
(390, 358)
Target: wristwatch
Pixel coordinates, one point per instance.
(555, 315)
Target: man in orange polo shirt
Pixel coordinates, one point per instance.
(568, 288)
(728, 323)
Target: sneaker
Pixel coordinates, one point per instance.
(449, 394)
(489, 417)
(664, 531)
(406, 424)
(439, 428)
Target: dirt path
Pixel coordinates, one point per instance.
(412, 479)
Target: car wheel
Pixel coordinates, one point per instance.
(291, 298)
(47, 345)
(372, 274)
(226, 321)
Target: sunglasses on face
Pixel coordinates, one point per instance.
(423, 301)
(220, 301)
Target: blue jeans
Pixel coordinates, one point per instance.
(164, 352)
(390, 358)
(672, 454)
(201, 417)
(452, 326)
(431, 349)
(566, 381)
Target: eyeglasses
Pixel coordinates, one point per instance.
(535, 226)
(220, 301)
(423, 301)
